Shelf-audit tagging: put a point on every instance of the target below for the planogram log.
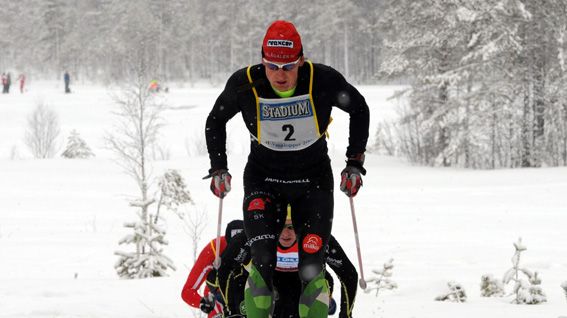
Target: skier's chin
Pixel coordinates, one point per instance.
(282, 86)
(286, 243)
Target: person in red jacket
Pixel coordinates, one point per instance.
(22, 79)
(198, 275)
(5, 87)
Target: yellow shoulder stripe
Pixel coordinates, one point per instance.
(312, 70)
(257, 103)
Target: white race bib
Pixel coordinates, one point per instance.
(288, 261)
(287, 124)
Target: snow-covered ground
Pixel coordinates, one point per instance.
(60, 220)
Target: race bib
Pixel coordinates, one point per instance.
(287, 124)
(288, 261)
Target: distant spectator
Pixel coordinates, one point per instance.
(4, 84)
(67, 80)
(9, 82)
(22, 79)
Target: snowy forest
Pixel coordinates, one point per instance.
(185, 39)
(484, 79)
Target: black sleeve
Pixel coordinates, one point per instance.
(349, 99)
(212, 281)
(235, 254)
(346, 272)
(225, 108)
(331, 281)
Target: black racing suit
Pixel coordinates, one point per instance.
(229, 276)
(298, 176)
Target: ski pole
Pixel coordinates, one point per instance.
(361, 281)
(217, 261)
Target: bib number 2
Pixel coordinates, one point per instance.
(290, 130)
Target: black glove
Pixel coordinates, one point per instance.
(351, 176)
(351, 181)
(207, 304)
(220, 182)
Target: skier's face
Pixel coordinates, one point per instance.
(283, 77)
(287, 236)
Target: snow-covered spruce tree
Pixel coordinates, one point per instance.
(139, 121)
(425, 50)
(42, 132)
(526, 292)
(456, 293)
(490, 286)
(77, 148)
(484, 80)
(383, 280)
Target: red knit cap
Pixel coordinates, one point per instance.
(282, 43)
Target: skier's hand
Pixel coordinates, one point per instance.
(207, 304)
(351, 180)
(351, 176)
(220, 182)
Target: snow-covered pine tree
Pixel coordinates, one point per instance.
(480, 73)
(139, 122)
(490, 286)
(526, 292)
(489, 130)
(383, 280)
(422, 42)
(77, 148)
(456, 293)
(530, 292)
(148, 260)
